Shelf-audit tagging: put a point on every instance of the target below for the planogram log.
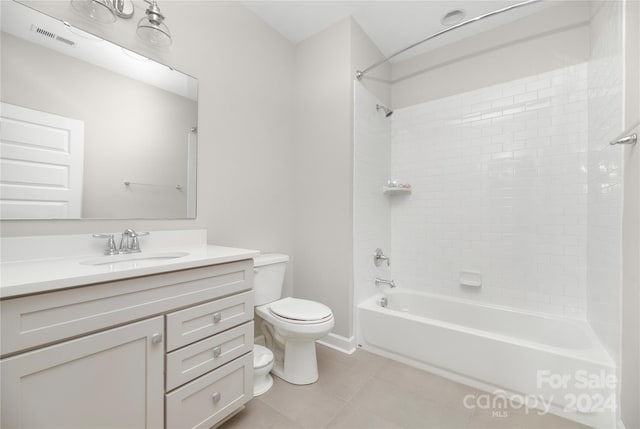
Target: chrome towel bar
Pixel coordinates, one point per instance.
(129, 183)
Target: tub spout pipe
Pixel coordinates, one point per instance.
(389, 283)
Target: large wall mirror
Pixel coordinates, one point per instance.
(90, 129)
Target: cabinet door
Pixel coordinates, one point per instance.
(110, 379)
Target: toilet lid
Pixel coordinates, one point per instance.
(300, 309)
(261, 356)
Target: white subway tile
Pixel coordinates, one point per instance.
(526, 97)
(499, 169)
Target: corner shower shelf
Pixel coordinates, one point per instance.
(396, 190)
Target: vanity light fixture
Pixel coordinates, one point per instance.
(104, 11)
(151, 27)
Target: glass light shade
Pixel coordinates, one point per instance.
(156, 34)
(98, 10)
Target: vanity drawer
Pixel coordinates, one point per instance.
(201, 321)
(190, 362)
(212, 397)
(36, 320)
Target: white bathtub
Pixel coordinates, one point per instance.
(530, 356)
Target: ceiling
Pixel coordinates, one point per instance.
(391, 25)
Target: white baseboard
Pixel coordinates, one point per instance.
(340, 343)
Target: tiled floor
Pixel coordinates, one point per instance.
(364, 390)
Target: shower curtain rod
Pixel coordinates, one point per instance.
(360, 73)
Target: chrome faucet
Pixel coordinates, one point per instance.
(132, 246)
(128, 242)
(380, 281)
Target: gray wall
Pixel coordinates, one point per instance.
(325, 70)
(323, 169)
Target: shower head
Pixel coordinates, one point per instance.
(387, 112)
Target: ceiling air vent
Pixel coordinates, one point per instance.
(51, 35)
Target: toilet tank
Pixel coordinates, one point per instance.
(268, 277)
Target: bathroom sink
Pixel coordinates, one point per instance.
(131, 257)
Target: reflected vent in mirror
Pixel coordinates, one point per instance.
(51, 35)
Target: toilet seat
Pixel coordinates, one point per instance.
(300, 311)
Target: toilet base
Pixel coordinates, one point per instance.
(263, 385)
(300, 365)
(293, 345)
(262, 365)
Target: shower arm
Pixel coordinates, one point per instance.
(360, 73)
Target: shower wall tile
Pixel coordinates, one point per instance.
(499, 179)
(605, 164)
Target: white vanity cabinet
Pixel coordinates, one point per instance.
(165, 350)
(109, 379)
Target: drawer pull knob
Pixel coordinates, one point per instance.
(216, 397)
(217, 351)
(156, 338)
(217, 317)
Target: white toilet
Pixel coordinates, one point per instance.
(291, 326)
(262, 365)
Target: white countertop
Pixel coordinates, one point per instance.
(28, 276)
(44, 275)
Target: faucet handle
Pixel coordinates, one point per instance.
(135, 244)
(111, 244)
(379, 256)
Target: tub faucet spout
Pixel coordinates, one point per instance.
(380, 281)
